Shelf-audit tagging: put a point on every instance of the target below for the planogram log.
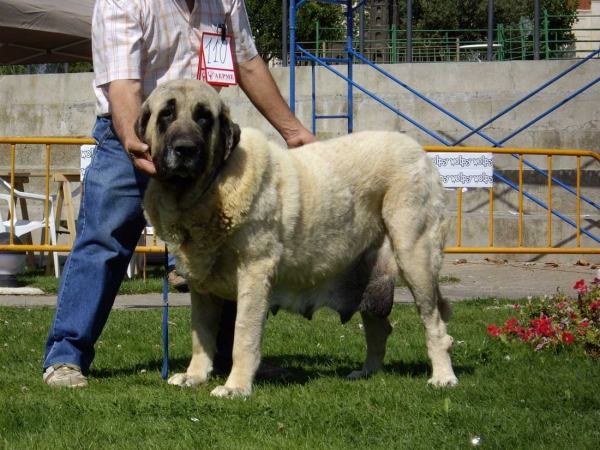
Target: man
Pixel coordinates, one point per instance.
(138, 44)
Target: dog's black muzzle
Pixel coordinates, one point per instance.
(183, 155)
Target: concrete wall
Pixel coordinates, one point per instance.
(63, 105)
(587, 28)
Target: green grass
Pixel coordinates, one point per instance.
(508, 396)
(36, 278)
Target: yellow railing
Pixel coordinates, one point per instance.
(578, 249)
(48, 142)
(458, 248)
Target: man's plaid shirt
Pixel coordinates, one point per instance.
(159, 40)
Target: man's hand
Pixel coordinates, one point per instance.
(141, 157)
(125, 97)
(300, 137)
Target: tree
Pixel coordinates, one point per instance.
(21, 69)
(266, 22)
(472, 16)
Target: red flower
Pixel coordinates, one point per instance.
(546, 330)
(494, 330)
(509, 325)
(567, 338)
(580, 286)
(528, 335)
(520, 332)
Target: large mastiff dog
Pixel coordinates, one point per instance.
(330, 224)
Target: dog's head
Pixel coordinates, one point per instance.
(188, 128)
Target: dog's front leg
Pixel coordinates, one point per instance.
(252, 306)
(206, 312)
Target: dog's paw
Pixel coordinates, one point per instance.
(443, 381)
(357, 374)
(185, 380)
(224, 391)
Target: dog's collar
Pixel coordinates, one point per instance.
(218, 171)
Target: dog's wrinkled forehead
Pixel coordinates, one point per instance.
(187, 94)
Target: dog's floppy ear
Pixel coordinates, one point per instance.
(230, 132)
(142, 122)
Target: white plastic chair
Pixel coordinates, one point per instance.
(21, 226)
(136, 262)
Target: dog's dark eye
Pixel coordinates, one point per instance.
(166, 116)
(168, 112)
(202, 116)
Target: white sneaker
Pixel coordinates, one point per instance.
(64, 375)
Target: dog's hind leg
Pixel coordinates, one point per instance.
(418, 245)
(206, 312)
(432, 308)
(377, 331)
(375, 307)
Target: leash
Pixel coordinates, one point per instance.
(165, 367)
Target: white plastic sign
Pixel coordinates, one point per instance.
(465, 169)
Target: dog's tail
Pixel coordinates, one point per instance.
(444, 307)
(440, 232)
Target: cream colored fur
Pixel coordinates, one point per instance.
(281, 228)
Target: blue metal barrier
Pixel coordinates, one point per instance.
(489, 139)
(294, 47)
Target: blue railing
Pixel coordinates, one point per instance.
(307, 56)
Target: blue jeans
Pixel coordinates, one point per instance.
(109, 227)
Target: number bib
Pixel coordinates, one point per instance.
(216, 60)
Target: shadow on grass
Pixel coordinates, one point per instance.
(175, 365)
(305, 368)
(302, 368)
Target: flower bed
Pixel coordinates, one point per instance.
(557, 321)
